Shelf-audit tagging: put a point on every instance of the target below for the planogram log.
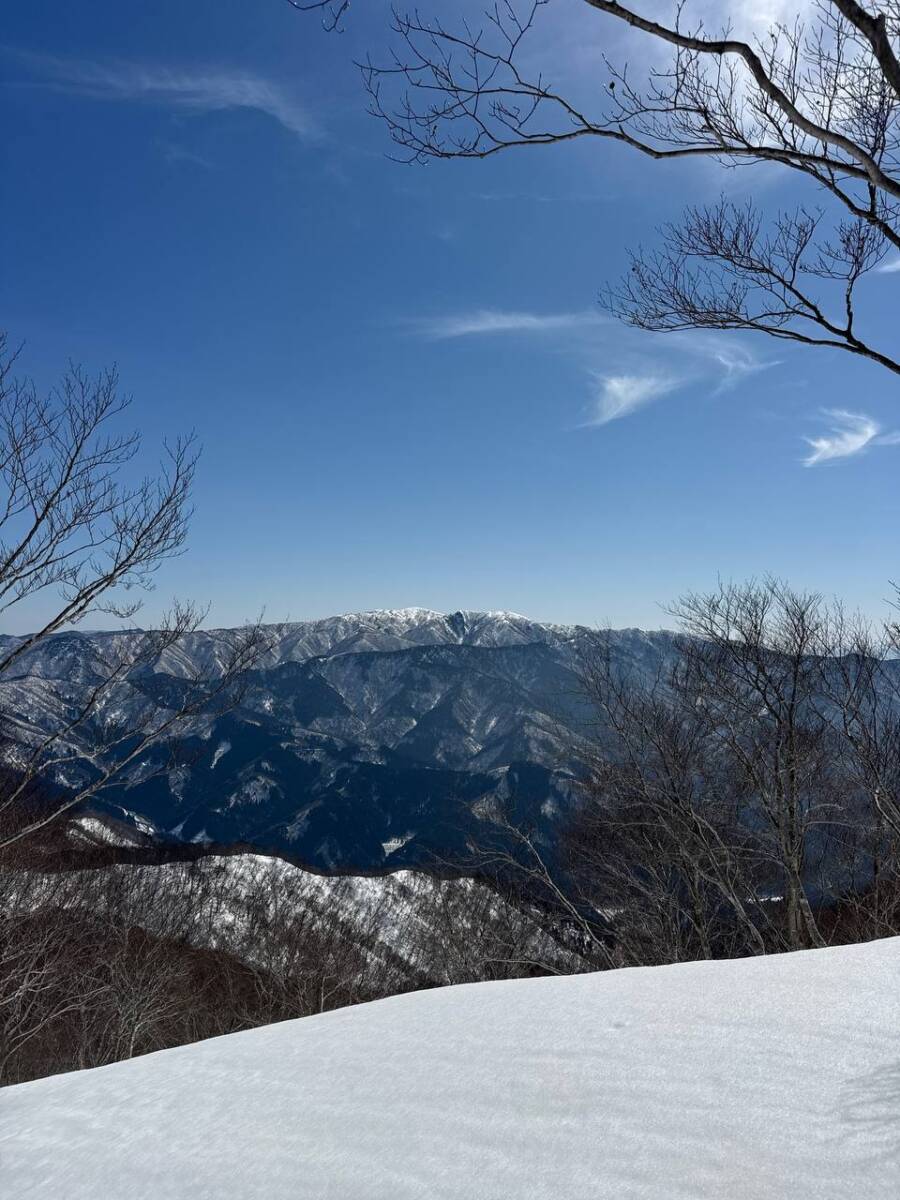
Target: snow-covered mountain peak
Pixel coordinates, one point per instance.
(414, 614)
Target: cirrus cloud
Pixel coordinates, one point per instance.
(624, 374)
(197, 89)
(620, 395)
(850, 433)
(491, 320)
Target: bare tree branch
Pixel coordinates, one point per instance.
(74, 529)
(820, 98)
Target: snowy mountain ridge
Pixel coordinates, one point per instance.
(296, 641)
(361, 737)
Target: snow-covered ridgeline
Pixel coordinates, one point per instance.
(296, 641)
(428, 929)
(360, 739)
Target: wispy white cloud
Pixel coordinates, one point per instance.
(513, 197)
(198, 89)
(711, 365)
(731, 360)
(625, 370)
(174, 154)
(563, 197)
(620, 395)
(850, 433)
(491, 320)
(889, 268)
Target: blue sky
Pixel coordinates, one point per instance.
(405, 389)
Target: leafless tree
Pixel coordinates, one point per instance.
(79, 537)
(862, 686)
(657, 842)
(745, 799)
(752, 660)
(820, 98)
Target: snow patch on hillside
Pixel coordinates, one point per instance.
(222, 748)
(392, 845)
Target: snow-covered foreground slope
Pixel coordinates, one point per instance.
(772, 1078)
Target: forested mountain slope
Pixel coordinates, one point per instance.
(363, 741)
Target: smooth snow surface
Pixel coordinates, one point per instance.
(775, 1078)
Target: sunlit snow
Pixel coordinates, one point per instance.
(758, 1079)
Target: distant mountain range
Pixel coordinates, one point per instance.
(363, 741)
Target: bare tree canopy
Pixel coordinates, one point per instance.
(79, 536)
(68, 523)
(820, 97)
(746, 799)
